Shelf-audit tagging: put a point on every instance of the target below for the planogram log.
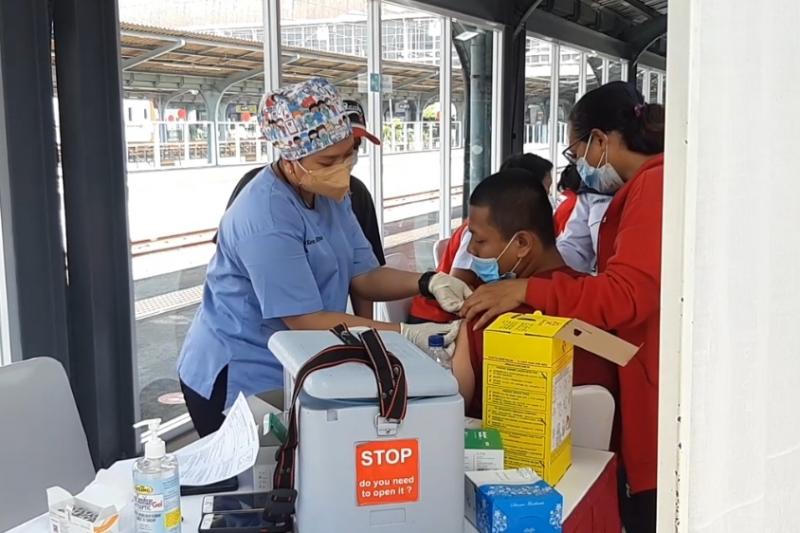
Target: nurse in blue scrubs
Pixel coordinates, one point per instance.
(289, 252)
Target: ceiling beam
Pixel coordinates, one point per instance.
(414, 81)
(152, 54)
(642, 36)
(644, 8)
(528, 12)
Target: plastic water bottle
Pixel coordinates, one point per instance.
(438, 353)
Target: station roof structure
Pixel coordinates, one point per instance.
(159, 61)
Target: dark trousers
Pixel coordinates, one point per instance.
(207, 414)
(638, 511)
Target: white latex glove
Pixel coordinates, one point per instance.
(419, 333)
(450, 292)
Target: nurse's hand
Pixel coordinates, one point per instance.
(494, 299)
(419, 333)
(449, 292)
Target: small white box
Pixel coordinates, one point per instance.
(268, 444)
(68, 514)
(483, 450)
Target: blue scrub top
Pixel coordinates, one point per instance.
(275, 258)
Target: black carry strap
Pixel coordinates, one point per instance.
(392, 400)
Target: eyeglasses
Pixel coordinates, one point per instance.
(569, 153)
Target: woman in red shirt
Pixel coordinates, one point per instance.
(616, 142)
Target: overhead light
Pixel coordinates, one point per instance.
(466, 35)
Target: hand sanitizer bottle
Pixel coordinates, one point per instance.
(157, 500)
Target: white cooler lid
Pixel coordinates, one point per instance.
(352, 381)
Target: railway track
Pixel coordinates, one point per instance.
(204, 236)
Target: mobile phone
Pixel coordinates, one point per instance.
(244, 522)
(230, 503)
(225, 485)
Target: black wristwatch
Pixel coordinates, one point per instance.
(424, 281)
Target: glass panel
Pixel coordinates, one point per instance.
(653, 89)
(180, 127)
(471, 93)
(308, 27)
(663, 89)
(538, 80)
(411, 163)
(640, 80)
(594, 71)
(567, 96)
(614, 70)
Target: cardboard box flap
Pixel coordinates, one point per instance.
(534, 324)
(597, 341)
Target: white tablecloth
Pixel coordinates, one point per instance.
(587, 465)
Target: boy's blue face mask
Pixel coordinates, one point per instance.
(488, 269)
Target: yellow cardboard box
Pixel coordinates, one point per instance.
(527, 385)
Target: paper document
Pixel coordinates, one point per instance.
(224, 454)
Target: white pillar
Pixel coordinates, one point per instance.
(272, 54)
(374, 105)
(729, 443)
(445, 120)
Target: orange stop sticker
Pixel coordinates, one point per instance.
(387, 471)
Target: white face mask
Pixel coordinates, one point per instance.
(603, 178)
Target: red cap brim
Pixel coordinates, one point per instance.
(361, 132)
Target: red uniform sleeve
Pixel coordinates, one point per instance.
(627, 292)
(563, 212)
(446, 264)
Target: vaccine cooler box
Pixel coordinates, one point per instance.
(359, 473)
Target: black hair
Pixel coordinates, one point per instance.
(516, 203)
(618, 106)
(570, 180)
(539, 167)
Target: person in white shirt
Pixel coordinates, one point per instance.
(577, 244)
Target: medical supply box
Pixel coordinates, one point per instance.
(527, 385)
(483, 450)
(358, 472)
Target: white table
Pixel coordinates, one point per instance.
(587, 465)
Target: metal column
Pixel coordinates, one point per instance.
(555, 60)
(86, 34)
(445, 120)
(497, 99)
(582, 74)
(34, 321)
(374, 104)
(272, 54)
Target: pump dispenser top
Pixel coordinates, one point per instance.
(154, 448)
